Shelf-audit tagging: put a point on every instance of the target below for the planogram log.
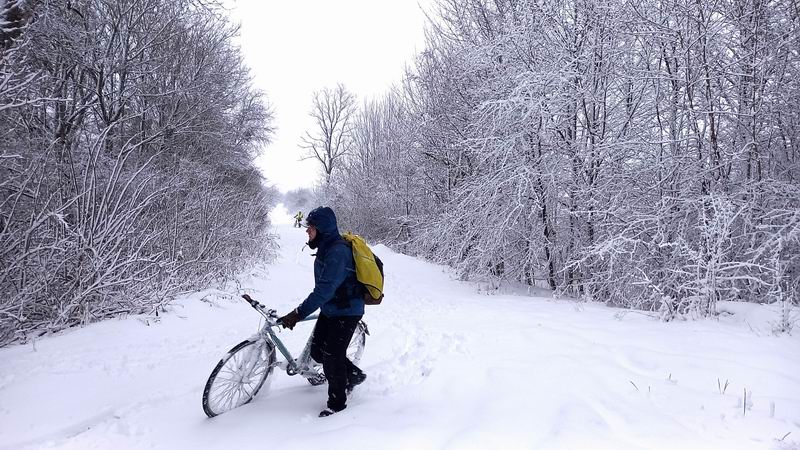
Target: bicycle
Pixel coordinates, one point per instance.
(241, 373)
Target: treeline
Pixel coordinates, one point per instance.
(641, 153)
(127, 134)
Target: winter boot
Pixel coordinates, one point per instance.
(354, 380)
(329, 412)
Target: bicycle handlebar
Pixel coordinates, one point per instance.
(268, 313)
(271, 314)
(252, 302)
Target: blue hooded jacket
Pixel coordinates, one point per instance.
(334, 270)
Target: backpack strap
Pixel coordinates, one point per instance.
(350, 287)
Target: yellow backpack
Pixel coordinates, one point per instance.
(369, 268)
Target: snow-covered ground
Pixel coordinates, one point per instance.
(449, 368)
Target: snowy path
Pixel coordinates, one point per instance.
(448, 368)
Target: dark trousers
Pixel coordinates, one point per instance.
(329, 346)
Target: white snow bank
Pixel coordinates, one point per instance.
(761, 318)
(448, 368)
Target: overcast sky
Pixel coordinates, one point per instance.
(295, 48)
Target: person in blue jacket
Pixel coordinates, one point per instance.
(340, 299)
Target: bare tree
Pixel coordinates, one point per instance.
(123, 155)
(333, 111)
(643, 153)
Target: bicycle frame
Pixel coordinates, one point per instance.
(292, 366)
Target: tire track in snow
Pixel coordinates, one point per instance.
(65, 433)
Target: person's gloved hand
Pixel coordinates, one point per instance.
(290, 320)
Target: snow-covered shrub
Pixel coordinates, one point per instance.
(603, 150)
(125, 161)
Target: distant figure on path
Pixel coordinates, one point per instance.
(298, 219)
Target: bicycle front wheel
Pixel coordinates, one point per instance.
(238, 376)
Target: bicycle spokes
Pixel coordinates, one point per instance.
(238, 377)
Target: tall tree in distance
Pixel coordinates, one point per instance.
(333, 111)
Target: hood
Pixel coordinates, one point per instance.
(324, 220)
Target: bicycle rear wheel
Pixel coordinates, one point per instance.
(238, 376)
(354, 351)
(357, 343)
